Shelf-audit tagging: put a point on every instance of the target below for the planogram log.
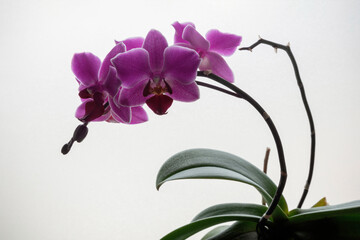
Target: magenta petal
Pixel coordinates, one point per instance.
(155, 43)
(103, 117)
(133, 96)
(89, 110)
(223, 43)
(180, 64)
(86, 66)
(132, 67)
(135, 42)
(114, 119)
(184, 93)
(104, 69)
(112, 83)
(197, 41)
(214, 63)
(138, 115)
(80, 111)
(159, 104)
(179, 28)
(124, 113)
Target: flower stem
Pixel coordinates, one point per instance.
(307, 108)
(218, 89)
(274, 132)
(266, 161)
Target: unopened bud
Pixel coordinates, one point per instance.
(80, 133)
(65, 149)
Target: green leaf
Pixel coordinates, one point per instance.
(238, 231)
(340, 221)
(213, 164)
(300, 215)
(199, 225)
(214, 232)
(231, 208)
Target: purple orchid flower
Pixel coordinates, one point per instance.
(130, 43)
(209, 49)
(99, 85)
(157, 74)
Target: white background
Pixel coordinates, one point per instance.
(105, 187)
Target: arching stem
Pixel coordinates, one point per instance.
(307, 108)
(283, 174)
(218, 89)
(266, 161)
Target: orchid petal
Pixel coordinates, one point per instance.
(223, 43)
(179, 29)
(124, 113)
(180, 64)
(86, 66)
(135, 42)
(155, 43)
(114, 119)
(80, 111)
(214, 63)
(138, 115)
(111, 119)
(104, 117)
(133, 96)
(184, 93)
(112, 82)
(89, 110)
(197, 41)
(104, 69)
(132, 67)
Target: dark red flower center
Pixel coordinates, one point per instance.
(159, 102)
(94, 108)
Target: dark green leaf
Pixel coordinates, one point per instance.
(340, 221)
(344, 227)
(212, 164)
(238, 231)
(197, 226)
(231, 208)
(214, 232)
(299, 215)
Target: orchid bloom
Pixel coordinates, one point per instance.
(157, 74)
(130, 43)
(98, 86)
(210, 48)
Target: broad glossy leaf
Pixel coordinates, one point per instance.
(231, 208)
(340, 221)
(344, 227)
(213, 164)
(197, 226)
(215, 232)
(237, 231)
(239, 227)
(300, 215)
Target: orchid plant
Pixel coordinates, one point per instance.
(139, 71)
